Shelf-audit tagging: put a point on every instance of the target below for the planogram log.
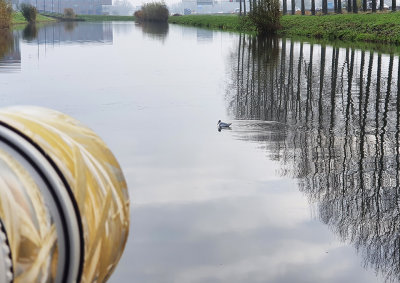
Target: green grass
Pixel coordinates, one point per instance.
(379, 27)
(102, 18)
(224, 22)
(90, 18)
(19, 19)
(363, 27)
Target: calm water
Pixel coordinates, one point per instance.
(303, 188)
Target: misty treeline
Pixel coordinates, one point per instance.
(340, 109)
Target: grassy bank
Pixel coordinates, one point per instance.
(379, 28)
(225, 22)
(17, 18)
(103, 18)
(89, 18)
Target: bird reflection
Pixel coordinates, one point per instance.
(342, 112)
(224, 128)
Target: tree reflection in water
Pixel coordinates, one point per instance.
(30, 32)
(155, 30)
(340, 113)
(10, 55)
(6, 42)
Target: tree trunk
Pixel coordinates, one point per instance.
(339, 6)
(355, 8)
(381, 5)
(312, 7)
(284, 4)
(349, 6)
(303, 10)
(240, 5)
(294, 6)
(394, 5)
(373, 6)
(325, 7)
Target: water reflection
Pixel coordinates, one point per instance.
(155, 30)
(204, 35)
(30, 32)
(216, 211)
(61, 33)
(70, 26)
(338, 117)
(70, 32)
(10, 55)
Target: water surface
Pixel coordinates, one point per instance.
(303, 188)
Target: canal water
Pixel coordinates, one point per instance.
(304, 187)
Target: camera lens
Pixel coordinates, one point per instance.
(64, 204)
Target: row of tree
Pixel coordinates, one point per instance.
(339, 134)
(351, 6)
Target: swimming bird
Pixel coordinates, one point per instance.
(223, 124)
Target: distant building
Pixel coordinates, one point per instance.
(208, 6)
(204, 2)
(83, 7)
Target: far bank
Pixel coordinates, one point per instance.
(17, 18)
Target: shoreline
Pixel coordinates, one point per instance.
(18, 19)
(377, 28)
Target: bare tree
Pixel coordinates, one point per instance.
(312, 7)
(284, 7)
(325, 7)
(339, 6)
(355, 8)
